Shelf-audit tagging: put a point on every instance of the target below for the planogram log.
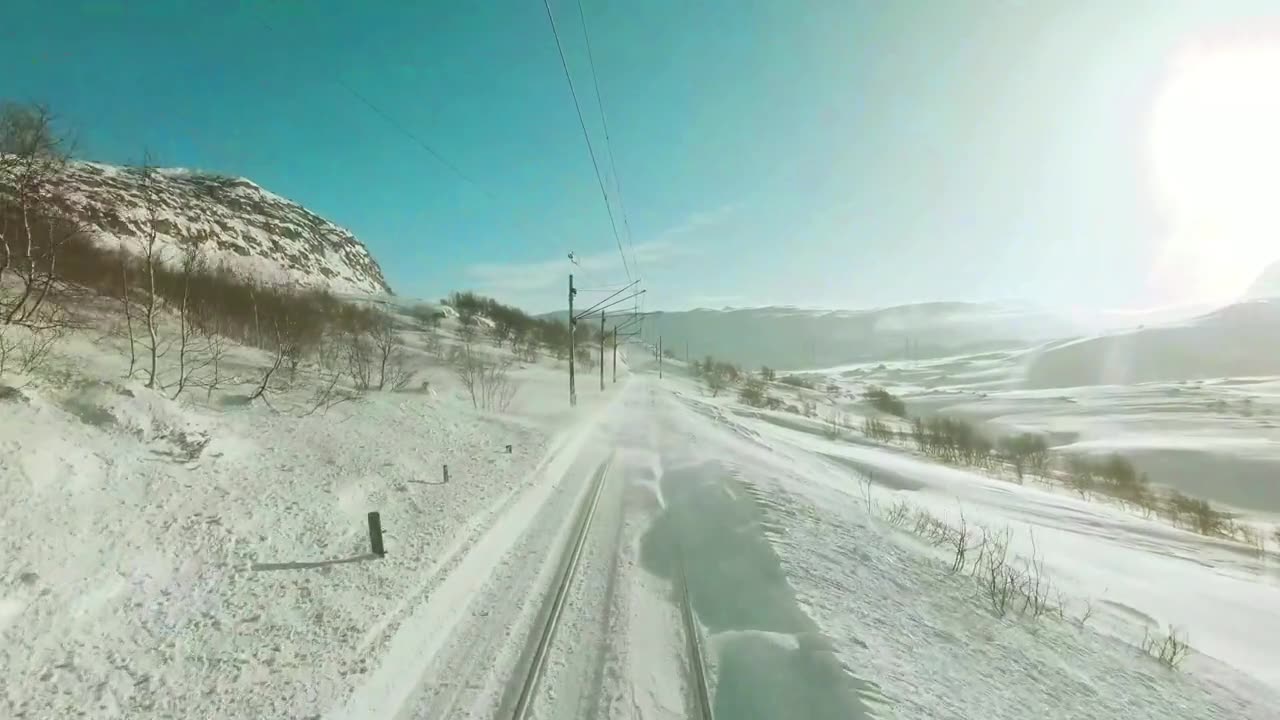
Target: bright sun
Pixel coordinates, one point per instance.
(1214, 158)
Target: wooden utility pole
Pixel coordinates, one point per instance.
(573, 391)
(615, 354)
(601, 351)
(659, 357)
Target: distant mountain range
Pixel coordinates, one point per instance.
(789, 338)
(233, 221)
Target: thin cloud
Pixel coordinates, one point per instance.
(534, 278)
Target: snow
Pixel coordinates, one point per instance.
(208, 557)
(213, 556)
(922, 635)
(234, 222)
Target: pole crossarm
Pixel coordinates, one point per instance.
(601, 304)
(602, 308)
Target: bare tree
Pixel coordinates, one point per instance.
(389, 353)
(189, 362)
(358, 351)
(286, 346)
(33, 159)
(485, 379)
(128, 312)
(150, 252)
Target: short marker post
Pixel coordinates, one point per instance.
(375, 534)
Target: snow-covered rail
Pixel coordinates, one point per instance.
(536, 661)
(697, 669)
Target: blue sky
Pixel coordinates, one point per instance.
(832, 153)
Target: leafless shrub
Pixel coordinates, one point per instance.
(24, 348)
(215, 350)
(833, 425)
(433, 345)
(288, 334)
(388, 353)
(959, 540)
(529, 349)
(715, 380)
(898, 513)
(878, 430)
(190, 360)
(1169, 650)
(359, 356)
(1088, 611)
(485, 378)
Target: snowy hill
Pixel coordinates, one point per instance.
(1266, 285)
(1236, 341)
(233, 221)
(794, 338)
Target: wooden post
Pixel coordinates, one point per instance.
(615, 354)
(446, 474)
(601, 351)
(375, 534)
(659, 357)
(573, 391)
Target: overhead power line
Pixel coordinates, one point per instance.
(595, 164)
(608, 142)
(427, 147)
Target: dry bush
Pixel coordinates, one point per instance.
(753, 392)
(898, 513)
(885, 402)
(485, 378)
(24, 349)
(389, 354)
(1169, 650)
(1005, 582)
(877, 429)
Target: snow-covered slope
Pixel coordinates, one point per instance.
(1236, 341)
(233, 221)
(1266, 285)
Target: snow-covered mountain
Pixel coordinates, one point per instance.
(1235, 341)
(233, 221)
(1266, 285)
(795, 338)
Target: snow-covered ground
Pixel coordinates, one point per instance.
(208, 557)
(1214, 438)
(895, 613)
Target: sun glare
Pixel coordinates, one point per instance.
(1214, 159)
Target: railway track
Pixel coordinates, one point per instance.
(697, 668)
(518, 703)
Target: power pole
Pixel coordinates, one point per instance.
(601, 351)
(659, 357)
(573, 391)
(686, 352)
(615, 354)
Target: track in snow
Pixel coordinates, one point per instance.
(518, 704)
